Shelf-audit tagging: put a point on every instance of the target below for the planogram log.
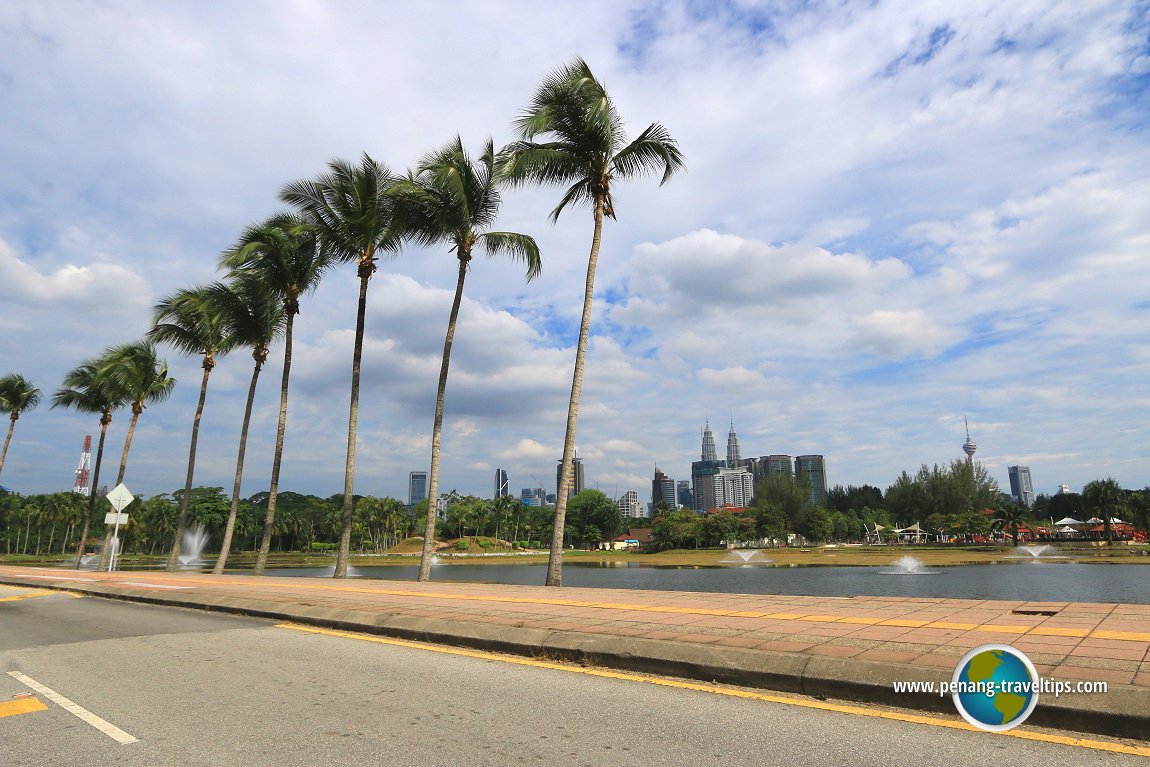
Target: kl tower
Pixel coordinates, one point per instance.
(968, 447)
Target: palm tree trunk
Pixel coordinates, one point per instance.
(366, 267)
(92, 494)
(437, 425)
(182, 521)
(555, 561)
(259, 355)
(277, 459)
(8, 439)
(106, 552)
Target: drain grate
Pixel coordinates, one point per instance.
(1034, 612)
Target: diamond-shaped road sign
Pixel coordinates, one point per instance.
(120, 497)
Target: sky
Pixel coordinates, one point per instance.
(895, 215)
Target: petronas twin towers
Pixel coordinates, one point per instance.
(709, 452)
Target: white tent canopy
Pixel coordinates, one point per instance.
(1069, 521)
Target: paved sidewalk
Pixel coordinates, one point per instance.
(845, 648)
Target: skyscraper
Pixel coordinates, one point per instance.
(576, 477)
(1021, 487)
(684, 497)
(629, 505)
(501, 487)
(733, 458)
(709, 453)
(813, 469)
(663, 490)
(735, 487)
(416, 488)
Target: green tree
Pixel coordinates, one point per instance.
(144, 379)
(351, 213)
(1104, 498)
(454, 200)
(17, 396)
(254, 317)
(586, 147)
(678, 530)
(284, 254)
(193, 321)
(89, 389)
(593, 518)
(1011, 516)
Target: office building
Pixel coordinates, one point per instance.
(735, 487)
(685, 499)
(663, 490)
(1021, 486)
(576, 477)
(813, 469)
(629, 505)
(501, 486)
(416, 488)
(533, 496)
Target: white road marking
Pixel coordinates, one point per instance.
(153, 585)
(109, 729)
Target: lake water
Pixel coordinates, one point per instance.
(1033, 581)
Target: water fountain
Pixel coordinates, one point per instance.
(192, 547)
(1033, 552)
(908, 566)
(746, 557)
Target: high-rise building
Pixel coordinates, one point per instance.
(1021, 487)
(533, 496)
(576, 477)
(709, 453)
(663, 490)
(770, 465)
(501, 486)
(813, 469)
(733, 457)
(685, 499)
(416, 488)
(733, 486)
(629, 505)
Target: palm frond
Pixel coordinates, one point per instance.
(653, 147)
(518, 247)
(17, 394)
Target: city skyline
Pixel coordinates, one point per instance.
(977, 197)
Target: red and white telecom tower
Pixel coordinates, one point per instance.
(82, 470)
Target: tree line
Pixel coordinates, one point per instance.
(359, 213)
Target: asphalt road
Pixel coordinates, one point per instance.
(200, 689)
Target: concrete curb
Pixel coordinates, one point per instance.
(1124, 711)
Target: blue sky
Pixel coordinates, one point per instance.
(895, 215)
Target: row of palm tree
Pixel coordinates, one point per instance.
(570, 134)
(17, 396)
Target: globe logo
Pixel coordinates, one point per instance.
(995, 687)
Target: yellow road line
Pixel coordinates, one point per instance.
(39, 594)
(897, 716)
(21, 706)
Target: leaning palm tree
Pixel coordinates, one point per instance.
(17, 395)
(191, 321)
(451, 199)
(89, 389)
(283, 254)
(254, 318)
(587, 149)
(144, 378)
(352, 215)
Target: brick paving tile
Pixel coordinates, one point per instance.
(658, 635)
(836, 651)
(1133, 654)
(1111, 664)
(738, 642)
(697, 638)
(878, 632)
(781, 645)
(932, 660)
(1142, 679)
(1093, 675)
(887, 656)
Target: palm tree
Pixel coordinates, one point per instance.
(144, 378)
(90, 389)
(1011, 515)
(352, 215)
(586, 148)
(254, 318)
(452, 200)
(283, 254)
(17, 395)
(1104, 498)
(191, 321)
